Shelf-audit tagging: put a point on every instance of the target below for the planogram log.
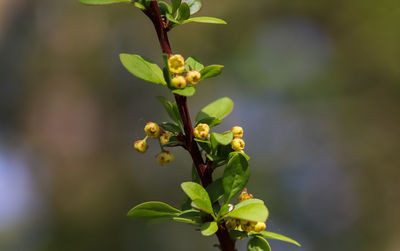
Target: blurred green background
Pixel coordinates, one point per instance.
(316, 86)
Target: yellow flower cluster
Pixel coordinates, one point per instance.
(176, 65)
(237, 142)
(154, 131)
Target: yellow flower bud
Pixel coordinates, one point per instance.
(237, 132)
(260, 226)
(176, 64)
(244, 196)
(247, 226)
(152, 130)
(201, 131)
(164, 138)
(140, 146)
(237, 144)
(193, 77)
(165, 157)
(178, 82)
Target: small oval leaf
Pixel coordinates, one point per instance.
(219, 109)
(209, 228)
(251, 210)
(152, 210)
(199, 196)
(103, 2)
(258, 244)
(143, 68)
(187, 91)
(275, 236)
(236, 175)
(207, 20)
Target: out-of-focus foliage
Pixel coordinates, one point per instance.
(315, 82)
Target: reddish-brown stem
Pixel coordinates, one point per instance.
(203, 169)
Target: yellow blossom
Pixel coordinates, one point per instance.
(152, 130)
(176, 64)
(178, 82)
(201, 131)
(193, 77)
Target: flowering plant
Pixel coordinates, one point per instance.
(209, 205)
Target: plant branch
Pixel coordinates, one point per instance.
(203, 169)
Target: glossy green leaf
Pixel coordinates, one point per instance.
(192, 63)
(198, 195)
(251, 210)
(187, 91)
(164, 7)
(205, 144)
(194, 5)
(175, 5)
(172, 19)
(169, 108)
(271, 235)
(210, 121)
(235, 177)
(211, 71)
(103, 2)
(171, 127)
(219, 109)
(258, 244)
(143, 68)
(207, 20)
(152, 210)
(183, 12)
(215, 190)
(209, 228)
(220, 139)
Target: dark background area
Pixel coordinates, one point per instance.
(316, 86)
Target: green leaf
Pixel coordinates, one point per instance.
(198, 195)
(226, 208)
(215, 190)
(175, 5)
(192, 63)
(208, 20)
(209, 228)
(152, 210)
(251, 210)
(210, 121)
(171, 127)
(169, 108)
(139, 5)
(237, 235)
(194, 5)
(205, 144)
(258, 244)
(271, 235)
(211, 71)
(220, 139)
(143, 68)
(103, 2)
(164, 7)
(232, 154)
(188, 216)
(187, 91)
(219, 109)
(171, 18)
(183, 12)
(235, 177)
